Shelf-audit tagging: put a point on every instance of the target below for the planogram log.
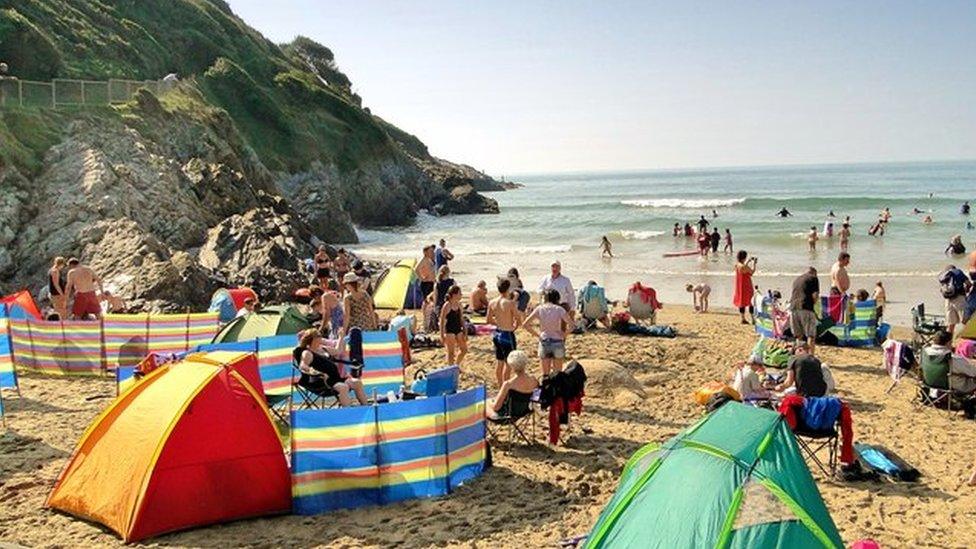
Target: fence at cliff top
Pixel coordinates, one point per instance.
(64, 92)
(76, 347)
(367, 455)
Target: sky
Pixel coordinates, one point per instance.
(553, 86)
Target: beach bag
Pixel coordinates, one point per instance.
(775, 357)
(712, 388)
(949, 285)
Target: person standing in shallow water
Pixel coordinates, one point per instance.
(745, 267)
(607, 247)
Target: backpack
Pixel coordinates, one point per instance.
(950, 285)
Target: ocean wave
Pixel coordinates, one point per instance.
(520, 250)
(640, 235)
(684, 203)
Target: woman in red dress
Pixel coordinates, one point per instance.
(742, 298)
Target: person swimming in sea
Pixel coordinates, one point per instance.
(916, 211)
(969, 226)
(784, 212)
(714, 214)
(955, 247)
(928, 220)
(676, 231)
(831, 214)
(964, 209)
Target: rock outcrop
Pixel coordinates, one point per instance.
(464, 199)
(261, 249)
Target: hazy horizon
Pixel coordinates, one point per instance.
(551, 87)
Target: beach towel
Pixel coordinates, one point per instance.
(886, 462)
(966, 348)
(820, 414)
(834, 306)
(647, 295)
(791, 408)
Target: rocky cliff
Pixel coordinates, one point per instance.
(226, 178)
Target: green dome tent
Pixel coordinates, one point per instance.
(268, 321)
(734, 479)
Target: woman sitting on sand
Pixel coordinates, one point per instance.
(742, 296)
(320, 374)
(452, 327)
(478, 302)
(520, 382)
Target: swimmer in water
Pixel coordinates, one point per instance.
(927, 220)
(784, 213)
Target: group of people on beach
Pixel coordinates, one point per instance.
(707, 241)
(76, 292)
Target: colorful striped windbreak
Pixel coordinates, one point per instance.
(83, 347)
(367, 455)
(382, 363)
(8, 378)
(274, 359)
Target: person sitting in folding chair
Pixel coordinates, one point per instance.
(320, 374)
(513, 404)
(520, 382)
(951, 376)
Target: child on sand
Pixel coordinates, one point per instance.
(879, 298)
(607, 250)
(699, 296)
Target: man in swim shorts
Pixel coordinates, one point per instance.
(80, 285)
(503, 313)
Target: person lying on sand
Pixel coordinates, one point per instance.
(520, 382)
(699, 296)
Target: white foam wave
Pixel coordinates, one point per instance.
(684, 203)
(522, 250)
(641, 235)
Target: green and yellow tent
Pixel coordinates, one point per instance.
(734, 479)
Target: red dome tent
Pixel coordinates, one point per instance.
(190, 444)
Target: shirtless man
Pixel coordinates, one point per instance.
(425, 271)
(504, 314)
(839, 278)
(80, 285)
(478, 301)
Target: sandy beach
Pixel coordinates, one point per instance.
(533, 496)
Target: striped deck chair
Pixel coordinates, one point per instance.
(381, 355)
(765, 326)
(862, 329)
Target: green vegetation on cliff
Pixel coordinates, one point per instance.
(292, 104)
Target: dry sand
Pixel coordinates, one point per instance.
(534, 496)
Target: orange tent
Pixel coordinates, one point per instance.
(24, 301)
(191, 444)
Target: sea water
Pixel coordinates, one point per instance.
(562, 217)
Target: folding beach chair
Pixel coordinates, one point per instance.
(813, 441)
(935, 386)
(308, 398)
(641, 311)
(516, 412)
(924, 326)
(443, 381)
